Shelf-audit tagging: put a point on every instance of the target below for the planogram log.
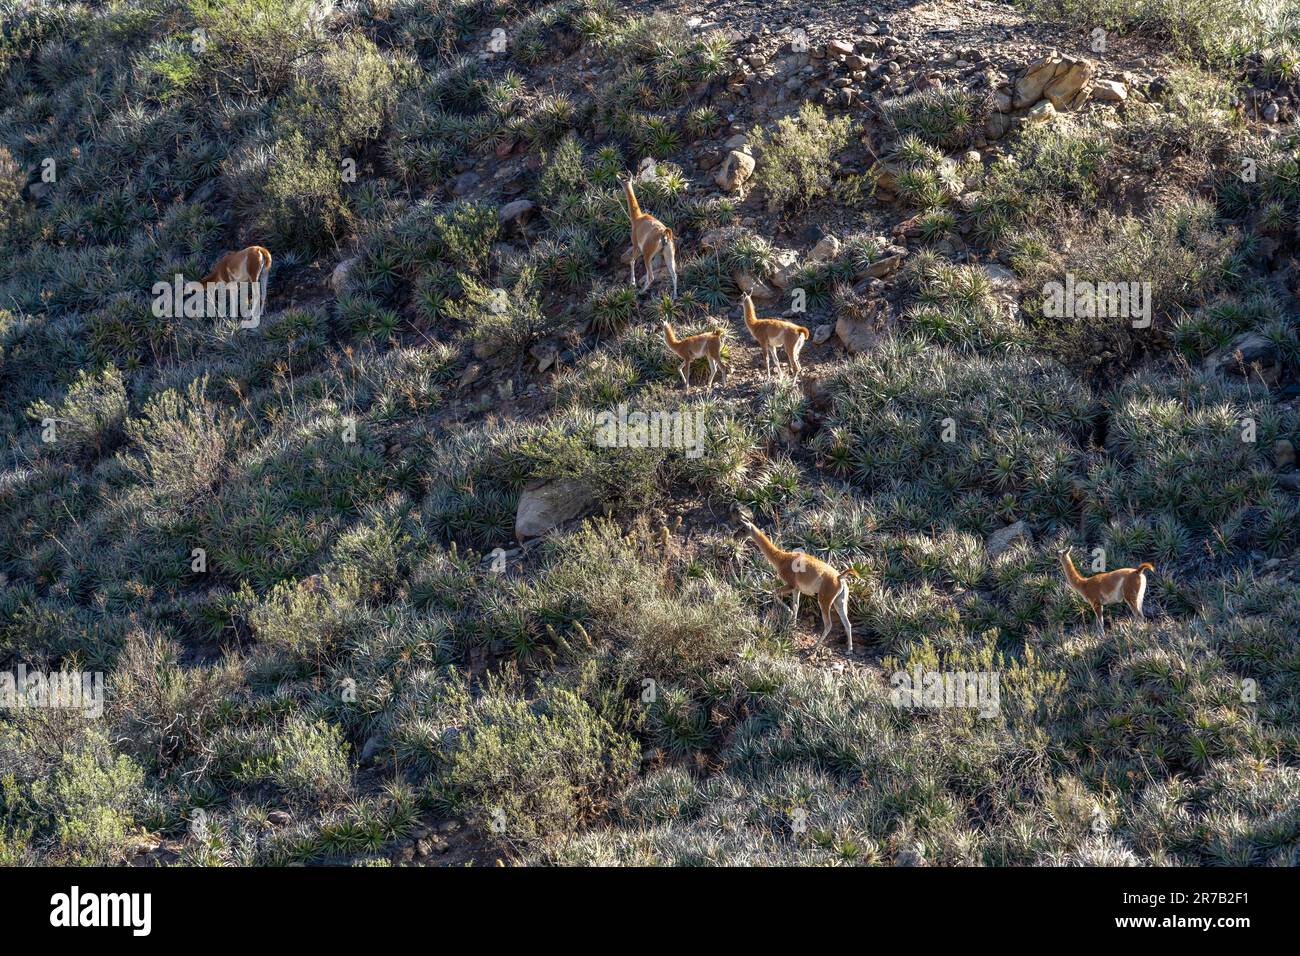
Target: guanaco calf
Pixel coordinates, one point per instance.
(706, 345)
(650, 237)
(803, 574)
(771, 334)
(245, 265)
(1126, 584)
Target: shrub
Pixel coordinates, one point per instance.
(529, 770)
(89, 420)
(184, 442)
(796, 165)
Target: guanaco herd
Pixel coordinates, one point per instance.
(800, 573)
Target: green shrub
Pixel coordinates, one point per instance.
(88, 422)
(796, 165)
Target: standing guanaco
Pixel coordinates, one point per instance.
(245, 265)
(803, 574)
(1125, 584)
(649, 237)
(771, 334)
(706, 345)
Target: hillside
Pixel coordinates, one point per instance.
(379, 578)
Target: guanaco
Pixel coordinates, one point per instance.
(803, 574)
(706, 345)
(650, 237)
(245, 265)
(1125, 584)
(771, 334)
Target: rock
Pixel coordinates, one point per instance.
(1283, 454)
(739, 141)
(1002, 102)
(999, 541)
(1109, 91)
(785, 266)
(465, 182)
(546, 505)
(515, 213)
(1250, 355)
(1042, 112)
(882, 268)
(339, 277)
(862, 332)
(545, 353)
(735, 170)
(996, 126)
(758, 290)
(822, 333)
(827, 248)
(1290, 482)
(1270, 114)
(838, 48)
(369, 749)
(1064, 80)
(279, 818)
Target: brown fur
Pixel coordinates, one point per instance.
(706, 345)
(252, 264)
(650, 237)
(1110, 587)
(804, 574)
(771, 334)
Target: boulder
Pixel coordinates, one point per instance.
(1065, 81)
(339, 277)
(1109, 91)
(544, 506)
(758, 290)
(515, 213)
(734, 171)
(1042, 112)
(1000, 541)
(785, 266)
(827, 248)
(1250, 355)
(1283, 454)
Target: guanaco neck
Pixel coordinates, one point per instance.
(633, 209)
(770, 551)
(750, 317)
(1071, 572)
(670, 336)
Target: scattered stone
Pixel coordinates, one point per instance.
(370, 748)
(279, 818)
(838, 48)
(822, 332)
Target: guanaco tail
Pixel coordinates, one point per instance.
(245, 265)
(706, 345)
(801, 574)
(1125, 584)
(650, 237)
(771, 334)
